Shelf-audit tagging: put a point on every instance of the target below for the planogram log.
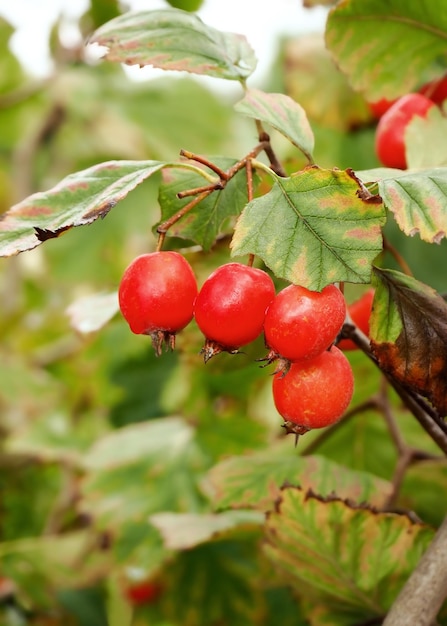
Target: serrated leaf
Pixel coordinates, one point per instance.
(182, 531)
(384, 46)
(313, 228)
(353, 554)
(205, 222)
(409, 334)
(423, 148)
(256, 480)
(281, 112)
(175, 40)
(416, 199)
(78, 199)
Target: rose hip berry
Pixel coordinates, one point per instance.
(156, 296)
(390, 132)
(314, 393)
(301, 323)
(231, 305)
(360, 312)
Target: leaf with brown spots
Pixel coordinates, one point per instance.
(80, 198)
(350, 554)
(385, 46)
(417, 199)
(314, 228)
(175, 40)
(409, 334)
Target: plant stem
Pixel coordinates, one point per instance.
(424, 592)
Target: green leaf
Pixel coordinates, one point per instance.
(80, 198)
(206, 221)
(314, 228)
(175, 40)
(255, 480)
(423, 148)
(182, 531)
(416, 199)
(163, 438)
(385, 46)
(281, 112)
(90, 313)
(350, 553)
(409, 334)
(216, 582)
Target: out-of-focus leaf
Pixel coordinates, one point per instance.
(175, 40)
(193, 595)
(422, 484)
(40, 565)
(281, 112)
(423, 147)
(90, 313)
(384, 46)
(347, 553)
(78, 199)
(204, 222)
(255, 480)
(417, 199)
(312, 79)
(158, 439)
(186, 5)
(11, 73)
(54, 438)
(409, 334)
(314, 228)
(182, 531)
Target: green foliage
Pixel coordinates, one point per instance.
(117, 466)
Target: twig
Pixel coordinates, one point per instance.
(388, 247)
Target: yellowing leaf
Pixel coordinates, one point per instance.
(314, 228)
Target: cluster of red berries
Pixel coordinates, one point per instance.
(313, 382)
(395, 115)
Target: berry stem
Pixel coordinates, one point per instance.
(163, 228)
(388, 247)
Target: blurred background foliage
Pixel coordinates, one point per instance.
(73, 514)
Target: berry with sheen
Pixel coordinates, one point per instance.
(360, 312)
(157, 294)
(314, 393)
(390, 132)
(231, 305)
(301, 323)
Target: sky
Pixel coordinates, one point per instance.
(253, 18)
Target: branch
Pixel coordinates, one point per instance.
(424, 592)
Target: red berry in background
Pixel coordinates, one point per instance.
(435, 90)
(380, 107)
(231, 305)
(156, 296)
(390, 132)
(314, 393)
(301, 323)
(360, 312)
(144, 592)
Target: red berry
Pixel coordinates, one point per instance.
(380, 107)
(436, 90)
(314, 393)
(144, 592)
(231, 305)
(157, 294)
(360, 312)
(390, 132)
(300, 323)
